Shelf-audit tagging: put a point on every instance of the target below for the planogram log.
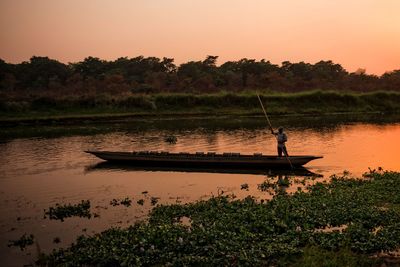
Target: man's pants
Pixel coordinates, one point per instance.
(282, 149)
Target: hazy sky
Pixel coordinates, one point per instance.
(354, 33)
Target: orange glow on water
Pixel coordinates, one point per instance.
(356, 148)
(36, 173)
(355, 34)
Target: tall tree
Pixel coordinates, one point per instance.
(40, 70)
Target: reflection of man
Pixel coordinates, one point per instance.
(281, 138)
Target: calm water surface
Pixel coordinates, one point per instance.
(41, 167)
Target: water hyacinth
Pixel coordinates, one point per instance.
(154, 200)
(24, 241)
(286, 230)
(125, 202)
(60, 212)
(244, 187)
(171, 139)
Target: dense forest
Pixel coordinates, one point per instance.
(144, 75)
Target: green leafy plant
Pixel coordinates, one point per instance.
(244, 187)
(22, 242)
(352, 216)
(60, 212)
(127, 202)
(154, 200)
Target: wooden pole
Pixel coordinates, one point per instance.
(265, 113)
(272, 130)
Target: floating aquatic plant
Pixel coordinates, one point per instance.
(154, 200)
(22, 242)
(265, 186)
(283, 181)
(244, 187)
(60, 212)
(114, 202)
(280, 231)
(127, 202)
(171, 139)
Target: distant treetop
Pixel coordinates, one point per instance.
(151, 74)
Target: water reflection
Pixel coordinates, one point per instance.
(40, 167)
(109, 166)
(326, 123)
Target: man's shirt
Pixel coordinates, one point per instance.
(281, 138)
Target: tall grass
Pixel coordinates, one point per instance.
(314, 102)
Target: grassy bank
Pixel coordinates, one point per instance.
(342, 223)
(106, 106)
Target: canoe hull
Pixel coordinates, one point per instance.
(231, 160)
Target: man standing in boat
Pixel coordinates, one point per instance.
(281, 138)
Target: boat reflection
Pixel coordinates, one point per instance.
(110, 166)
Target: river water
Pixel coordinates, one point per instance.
(42, 166)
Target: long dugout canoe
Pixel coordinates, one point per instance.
(203, 160)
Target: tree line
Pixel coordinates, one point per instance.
(154, 75)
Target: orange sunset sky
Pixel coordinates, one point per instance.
(353, 33)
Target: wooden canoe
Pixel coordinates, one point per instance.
(203, 160)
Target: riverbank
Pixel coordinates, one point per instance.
(60, 110)
(347, 222)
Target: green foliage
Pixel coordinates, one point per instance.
(155, 75)
(289, 229)
(91, 67)
(171, 139)
(344, 257)
(154, 200)
(22, 242)
(127, 202)
(244, 187)
(314, 102)
(60, 212)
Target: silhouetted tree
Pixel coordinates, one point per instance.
(391, 80)
(38, 72)
(7, 75)
(151, 74)
(91, 67)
